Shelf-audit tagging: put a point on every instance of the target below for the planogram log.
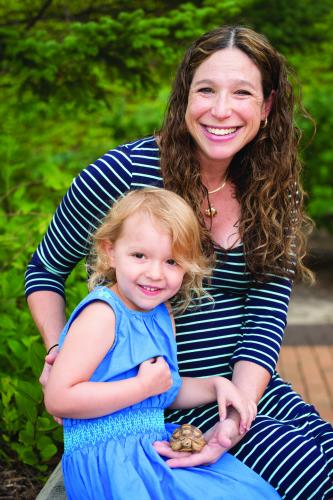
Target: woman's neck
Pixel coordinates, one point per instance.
(213, 172)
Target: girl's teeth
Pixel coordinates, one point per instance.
(221, 131)
(149, 289)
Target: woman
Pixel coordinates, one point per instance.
(229, 147)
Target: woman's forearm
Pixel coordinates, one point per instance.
(251, 378)
(48, 312)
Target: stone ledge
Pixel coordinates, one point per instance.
(308, 335)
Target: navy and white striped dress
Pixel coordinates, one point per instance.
(289, 445)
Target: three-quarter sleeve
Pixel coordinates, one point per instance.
(265, 318)
(86, 202)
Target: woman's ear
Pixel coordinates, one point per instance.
(108, 250)
(268, 103)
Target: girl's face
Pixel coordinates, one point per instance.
(225, 106)
(146, 271)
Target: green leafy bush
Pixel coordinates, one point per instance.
(42, 152)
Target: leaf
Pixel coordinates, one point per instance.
(43, 441)
(45, 424)
(27, 437)
(48, 451)
(36, 355)
(25, 407)
(17, 348)
(30, 390)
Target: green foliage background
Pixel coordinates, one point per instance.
(79, 77)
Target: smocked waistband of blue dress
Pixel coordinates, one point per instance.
(81, 433)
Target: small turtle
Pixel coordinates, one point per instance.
(187, 438)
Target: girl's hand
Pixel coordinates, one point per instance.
(228, 394)
(155, 376)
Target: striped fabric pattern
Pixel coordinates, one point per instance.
(288, 443)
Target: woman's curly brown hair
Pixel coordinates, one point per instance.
(266, 173)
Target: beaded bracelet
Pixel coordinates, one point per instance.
(48, 352)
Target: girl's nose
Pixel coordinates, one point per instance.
(221, 107)
(154, 271)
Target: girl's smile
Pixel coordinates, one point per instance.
(146, 271)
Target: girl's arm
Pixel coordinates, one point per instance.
(195, 392)
(68, 391)
(201, 391)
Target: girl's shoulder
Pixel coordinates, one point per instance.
(98, 294)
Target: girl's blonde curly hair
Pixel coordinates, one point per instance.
(177, 218)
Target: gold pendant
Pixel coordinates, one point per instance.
(211, 212)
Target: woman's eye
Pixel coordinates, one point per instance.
(172, 262)
(243, 92)
(205, 90)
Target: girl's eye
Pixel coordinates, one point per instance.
(172, 262)
(138, 255)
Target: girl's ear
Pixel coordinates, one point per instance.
(108, 250)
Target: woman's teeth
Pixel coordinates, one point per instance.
(221, 131)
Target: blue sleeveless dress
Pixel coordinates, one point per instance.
(112, 457)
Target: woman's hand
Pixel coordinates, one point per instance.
(155, 376)
(220, 438)
(48, 363)
(227, 394)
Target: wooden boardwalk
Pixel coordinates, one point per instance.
(306, 360)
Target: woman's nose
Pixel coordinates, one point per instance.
(221, 107)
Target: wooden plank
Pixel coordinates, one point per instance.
(316, 390)
(291, 370)
(324, 357)
(310, 371)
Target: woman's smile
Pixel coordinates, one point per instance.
(220, 134)
(224, 111)
(221, 131)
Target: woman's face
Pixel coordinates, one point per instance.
(225, 106)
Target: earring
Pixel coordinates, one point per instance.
(265, 123)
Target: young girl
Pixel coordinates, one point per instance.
(117, 368)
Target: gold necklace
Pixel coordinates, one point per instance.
(219, 188)
(211, 211)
